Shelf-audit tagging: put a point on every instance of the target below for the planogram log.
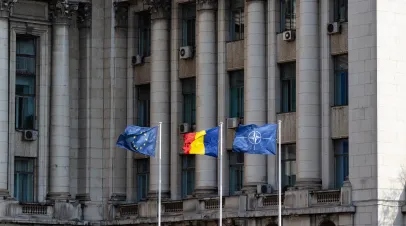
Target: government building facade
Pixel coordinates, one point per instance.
(75, 73)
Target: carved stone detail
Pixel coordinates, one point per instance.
(6, 7)
(160, 9)
(121, 14)
(61, 11)
(206, 4)
(84, 15)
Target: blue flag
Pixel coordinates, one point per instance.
(253, 139)
(139, 139)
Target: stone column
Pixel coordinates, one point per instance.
(5, 7)
(160, 91)
(60, 109)
(84, 154)
(308, 118)
(255, 88)
(206, 90)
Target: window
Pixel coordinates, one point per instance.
(24, 179)
(288, 15)
(288, 165)
(189, 25)
(142, 178)
(341, 161)
(25, 82)
(341, 80)
(189, 100)
(143, 106)
(288, 87)
(236, 172)
(188, 175)
(237, 20)
(340, 10)
(144, 33)
(237, 94)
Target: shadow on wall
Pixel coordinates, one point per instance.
(390, 201)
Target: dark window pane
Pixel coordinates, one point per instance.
(288, 165)
(341, 80)
(288, 87)
(341, 161)
(143, 105)
(144, 33)
(288, 15)
(237, 94)
(24, 179)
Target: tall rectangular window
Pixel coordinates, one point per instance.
(236, 172)
(288, 166)
(341, 161)
(189, 25)
(144, 33)
(188, 175)
(237, 20)
(24, 169)
(341, 80)
(288, 87)
(143, 105)
(237, 94)
(142, 178)
(288, 15)
(25, 82)
(189, 101)
(340, 10)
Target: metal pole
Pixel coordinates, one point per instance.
(280, 173)
(221, 175)
(159, 175)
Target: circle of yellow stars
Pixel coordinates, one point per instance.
(145, 141)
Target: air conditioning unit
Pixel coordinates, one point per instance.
(137, 60)
(333, 28)
(288, 35)
(186, 52)
(30, 135)
(233, 123)
(184, 128)
(264, 189)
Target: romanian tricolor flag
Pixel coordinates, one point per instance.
(204, 142)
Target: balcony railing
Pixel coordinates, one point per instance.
(331, 197)
(34, 209)
(173, 207)
(128, 210)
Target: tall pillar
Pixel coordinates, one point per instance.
(160, 91)
(206, 89)
(84, 154)
(5, 7)
(255, 89)
(308, 118)
(60, 109)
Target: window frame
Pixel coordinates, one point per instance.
(188, 169)
(291, 16)
(144, 33)
(337, 11)
(189, 95)
(236, 167)
(143, 90)
(284, 160)
(34, 178)
(341, 150)
(187, 21)
(288, 103)
(341, 80)
(237, 9)
(236, 88)
(139, 174)
(31, 96)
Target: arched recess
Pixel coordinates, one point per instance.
(327, 223)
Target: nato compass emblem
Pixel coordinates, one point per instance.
(254, 137)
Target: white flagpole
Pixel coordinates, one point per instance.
(280, 173)
(160, 174)
(221, 176)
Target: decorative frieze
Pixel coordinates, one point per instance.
(84, 15)
(61, 11)
(121, 14)
(160, 9)
(206, 4)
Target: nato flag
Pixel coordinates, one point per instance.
(139, 139)
(253, 139)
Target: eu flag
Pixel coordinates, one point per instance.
(253, 139)
(139, 139)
